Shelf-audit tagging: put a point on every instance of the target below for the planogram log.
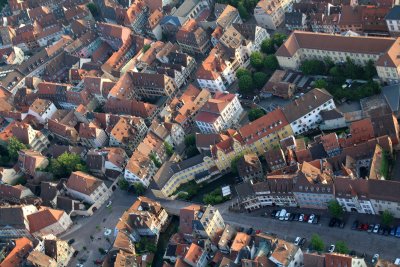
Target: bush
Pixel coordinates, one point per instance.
(259, 79)
(341, 247)
(320, 84)
(215, 197)
(246, 84)
(335, 209)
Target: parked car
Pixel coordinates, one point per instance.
(370, 228)
(392, 231)
(332, 222)
(316, 219)
(297, 241)
(352, 253)
(282, 215)
(302, 242)
(341, 224)
(301, 217)
(376, 228)
(287, 216)
(71, 241)
(375, 258)
(331, 248)
(381, 230)
(397, 231)
(354, 226)
(75, 253)
(364, 227)
(291, 217)
(278, 213)
(306, 217)
(109, 204)
(311, 218)
(296, 217)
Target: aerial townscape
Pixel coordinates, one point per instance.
(199, 133)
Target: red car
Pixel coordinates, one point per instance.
(365, 227)
(306, 217)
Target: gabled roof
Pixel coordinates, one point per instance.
(83, 182)
(44, 218)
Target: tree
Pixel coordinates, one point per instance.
(245, 84)
(146, 47)
(255, 113)
(93, 9)
(341, 247)
(242, 71)
(267, 46)
(279, 38)
(102, 251)
(168, 148)
(244, 14)
(369, 70)
(190, 140)
(335, 209)
(139, 188)
(192, 151)
(155, 160)
(313, 67)
(65, 164)
(257, 60)
(387, 218)
(259, 79)
(317, 243)
(320, 83)
(123, 184)
(13, 146)
(270, 62)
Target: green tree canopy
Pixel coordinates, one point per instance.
(279, 38)
(313, 67)
(244, 14)
(387, 218)
(123, 184)
(93, 9)
(267, 46)
(259, 79)
(255, 113)
(246, 84)
(139, 188)
(335, 209)
(192, 151)
(271, 63)
(65, 164)
(257, 60)
(190, 140)
(320, 84)
(317, 243)
(341, 247)
(242, 71)
(169, 149)
(13, 146)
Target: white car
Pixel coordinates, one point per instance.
(109, 204)
(287, 216)
(376, 228)
(282, 215)
(297, 240)
(331, 249)
(311, 219)
(301, 218)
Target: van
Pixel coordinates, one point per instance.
(282, 215)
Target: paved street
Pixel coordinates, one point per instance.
(361, 242)
(104, 218)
